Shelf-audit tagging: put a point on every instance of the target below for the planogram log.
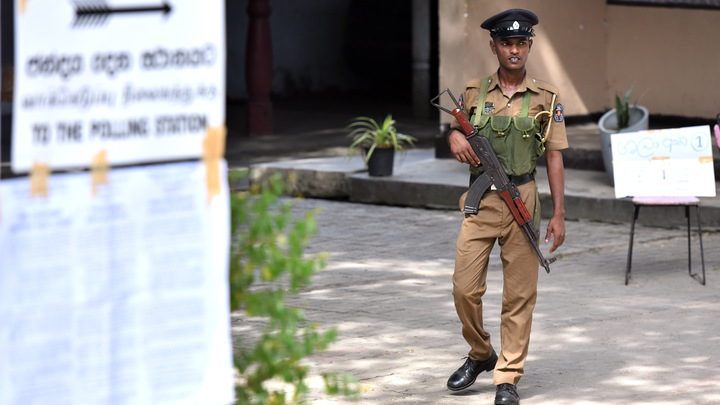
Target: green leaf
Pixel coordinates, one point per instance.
(268, 262)
(367, 134)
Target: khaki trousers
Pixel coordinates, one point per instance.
(478, 234)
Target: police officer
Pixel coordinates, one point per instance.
(522, 117)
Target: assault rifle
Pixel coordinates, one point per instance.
(492, 173)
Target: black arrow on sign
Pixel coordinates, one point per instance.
(96, 14)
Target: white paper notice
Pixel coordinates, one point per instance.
(141, 80)
(120, 298)
(666, 162)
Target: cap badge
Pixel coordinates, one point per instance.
(516, 25)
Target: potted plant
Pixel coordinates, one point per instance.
(379, 143)
(622, 118)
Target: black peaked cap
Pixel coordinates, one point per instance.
(515, 22)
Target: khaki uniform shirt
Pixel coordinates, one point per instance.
(498, 103)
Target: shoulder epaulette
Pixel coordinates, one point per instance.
(546, 86)
(473, 84)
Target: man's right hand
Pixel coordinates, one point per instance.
(461, 148)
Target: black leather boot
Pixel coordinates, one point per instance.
(465, 376)
(506, 394)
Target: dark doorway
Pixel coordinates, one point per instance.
(378, 47)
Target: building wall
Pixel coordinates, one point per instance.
(672, 55)
(591, 51)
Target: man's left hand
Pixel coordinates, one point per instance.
(556, 228)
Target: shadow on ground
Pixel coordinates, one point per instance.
(387, 287)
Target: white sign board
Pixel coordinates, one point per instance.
(142, 80)
(666, 162)
(121, 298)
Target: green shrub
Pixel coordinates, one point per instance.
(367, 133)
(268, 262)
(622, 107)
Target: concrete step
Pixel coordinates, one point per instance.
(422, 180)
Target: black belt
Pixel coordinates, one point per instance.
(516, 180)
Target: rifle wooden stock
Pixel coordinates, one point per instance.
(468, 129)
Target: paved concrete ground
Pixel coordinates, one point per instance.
(387, 287)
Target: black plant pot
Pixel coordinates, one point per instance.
(381, 162)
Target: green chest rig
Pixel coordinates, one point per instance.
(517, 141)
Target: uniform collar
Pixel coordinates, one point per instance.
(528, 83)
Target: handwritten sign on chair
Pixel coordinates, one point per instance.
(665, 162)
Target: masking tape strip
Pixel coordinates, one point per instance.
(213, 151)
(39, 180)
(99, 170)
(705, 159)
(23, 6)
